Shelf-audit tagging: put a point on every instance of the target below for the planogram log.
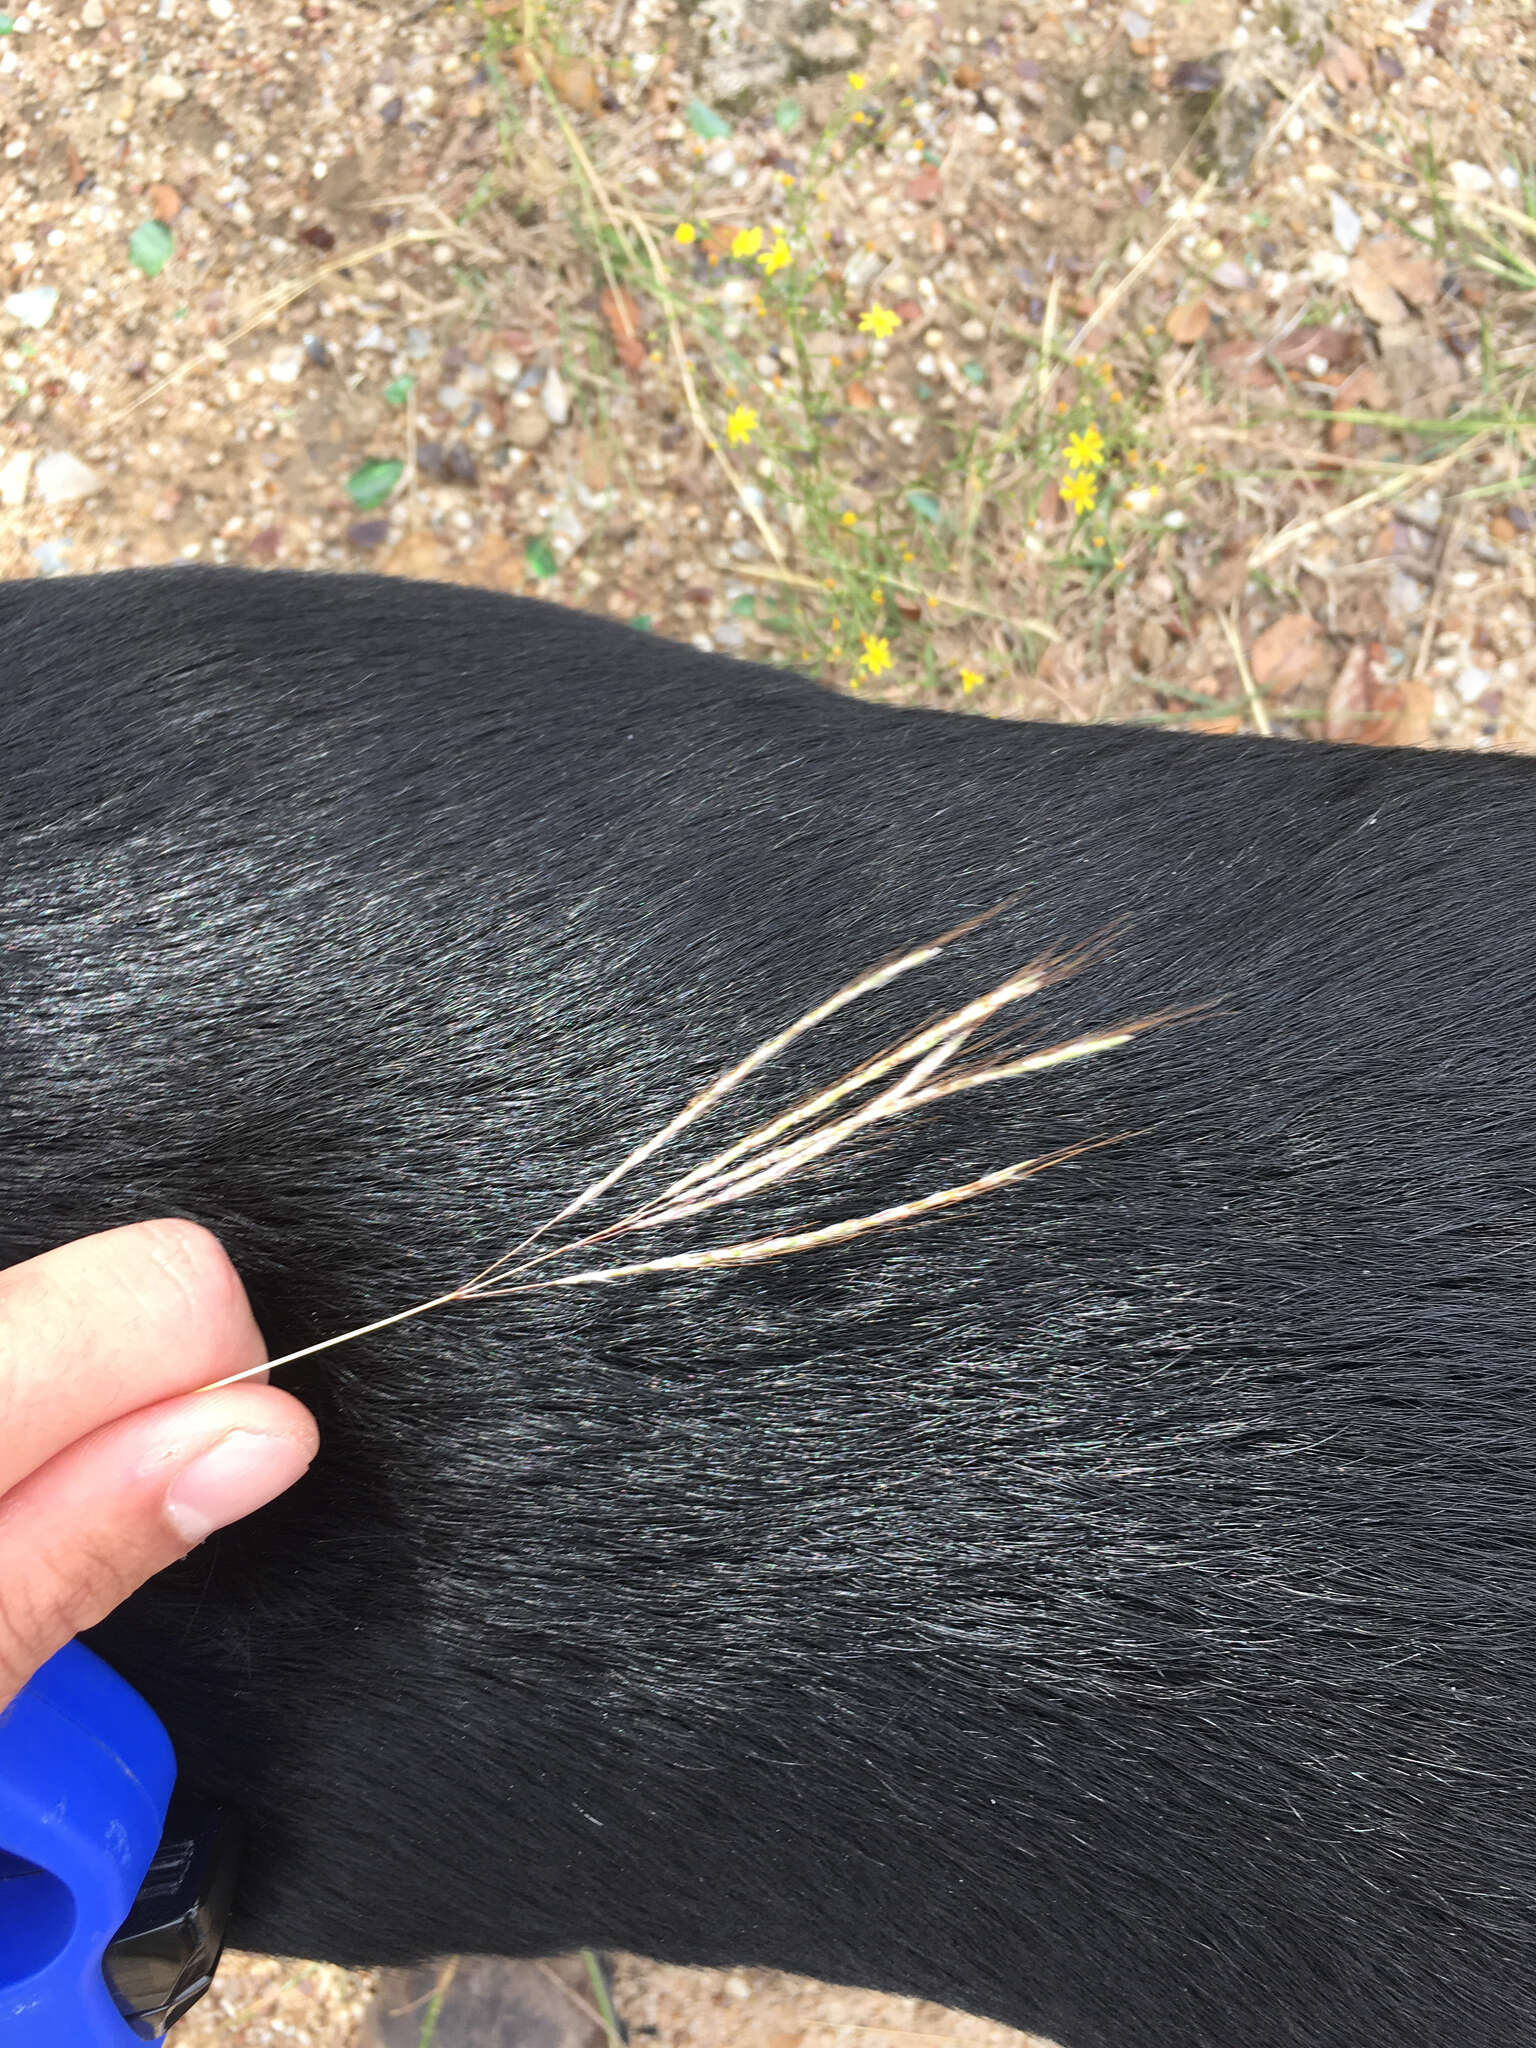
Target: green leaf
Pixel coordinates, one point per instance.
(973, 373)
(706, 122)
(643, 622)
(7, 23)
(150, 246)
(744, 607)
(398, 391)
(540, 557)
(925, 505)
(788, 115)
(372, 484)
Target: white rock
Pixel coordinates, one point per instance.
(164, 87)
(1347, 225)
(505, 367)
(1471, 682)
(557, 403)
(60, 478)
(221, 10)
(1471, 177)
(93, 15)
(286, 365)
(34, 306)
(14, 478)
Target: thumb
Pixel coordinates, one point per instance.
(94, 1332)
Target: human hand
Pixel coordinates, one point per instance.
(111, 1467)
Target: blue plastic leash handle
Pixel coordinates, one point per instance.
(86, 1774)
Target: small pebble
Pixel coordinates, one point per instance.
(14, 478)
(286, 365)
(527, 427)
(557, 404)
(974, 330)
(34, 306)
(1471, 177)
(1347, 225)
(93, 15)
(164, 87)
(60, 478)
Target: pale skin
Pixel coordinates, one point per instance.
(112, 1464)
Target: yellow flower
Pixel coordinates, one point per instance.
(685, 232)
(860, 117)
(857, 81)
(747, 242)
(877, 653)
(850, 519)
(741, 425)
(1086, 451)
(774, 259)
(1080, 492)
(879, 321)
(877, 597)
(970, 679)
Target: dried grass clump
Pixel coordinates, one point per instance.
(922, 1069)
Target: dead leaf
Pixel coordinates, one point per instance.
(164, 202)
(1228, 724)
(1344, 68)
(860, 397)
(495, 563)
(967, 76)
(1291, 653)
(1376, 298)
(74, 165)
(1437, 32)
(1367, 707)
(1225, 583)
(418, 556)
(1406, 268)
(1363, 390)
(1189, 323)
(1388, 276)
(623, 318)
(576, 83)
(926, 187)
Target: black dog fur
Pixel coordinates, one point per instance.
(1110, 1607)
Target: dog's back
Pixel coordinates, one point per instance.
(1110, 1606)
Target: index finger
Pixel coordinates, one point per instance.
(109, 1324)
